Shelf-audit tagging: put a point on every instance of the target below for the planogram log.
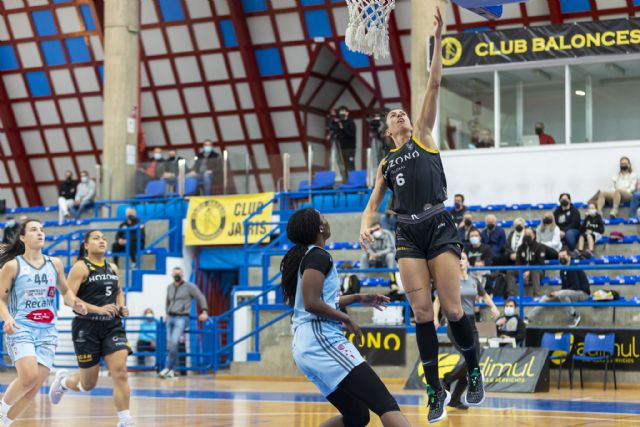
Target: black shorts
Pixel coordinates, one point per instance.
(93, 339)
(428, 239)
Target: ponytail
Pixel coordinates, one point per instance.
(11, 250)
(302, 230)
(82, 252)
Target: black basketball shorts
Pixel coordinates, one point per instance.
(428, 239)
(93, 339)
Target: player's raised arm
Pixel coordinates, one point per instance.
(427, 117)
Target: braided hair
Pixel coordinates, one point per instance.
(16, 247)
(82, 252)
(302, 230)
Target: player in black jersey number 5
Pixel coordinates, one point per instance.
(100, 333)
(426, 236)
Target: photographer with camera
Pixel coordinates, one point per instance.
(342, 131)
(376, 136)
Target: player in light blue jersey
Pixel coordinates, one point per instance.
(28, 282)
(311, 285)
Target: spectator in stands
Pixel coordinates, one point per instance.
(171, 169)
(208, 169)
(85, 192)
(494, 236)
(484, 140)
(66, 196)
(148, 335)
(624, 183)
(514, 240)
(381, 253)
(591, 231)
(122, 237)
(549, 236)
(180, 295)
(635, 204)
(575, 288)
(11, 230)
(510, 324)
(477, 251)
(389, 218)
(465, 228)
(458, 211)
(567, 217)
(530, 253)
(152, 169)
(545, 139)
(345, 130)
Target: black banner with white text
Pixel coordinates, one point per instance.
(382, 346)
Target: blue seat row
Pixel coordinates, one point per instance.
(525, 206)
(597, 280)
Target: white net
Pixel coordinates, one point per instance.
(368, 26)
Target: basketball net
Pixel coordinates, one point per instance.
(368, 27)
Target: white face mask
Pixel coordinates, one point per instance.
(84, 179)
(475, 241)
(377, 234)
(509, 311)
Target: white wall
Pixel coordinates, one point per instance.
(535, 174)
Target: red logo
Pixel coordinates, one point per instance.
(51, 293)
(341, 347)
(41, 316)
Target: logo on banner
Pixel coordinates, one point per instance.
(381, 346)
(451, 51)
(207, 220)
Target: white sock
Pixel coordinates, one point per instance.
(63, 384)
(4, 409)
(7, 422)
(124, 415)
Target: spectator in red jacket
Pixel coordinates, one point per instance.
(545, 139)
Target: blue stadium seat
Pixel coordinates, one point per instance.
(356, 179)
(544, 206)
(190, 186)
(519, 207)
(505, 223)
(154, 188)
(324, 180)
(598, 280)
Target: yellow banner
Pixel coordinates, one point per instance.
(217, 220)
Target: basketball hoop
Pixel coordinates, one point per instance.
(368, 27)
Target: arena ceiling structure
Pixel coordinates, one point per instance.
(232, 71)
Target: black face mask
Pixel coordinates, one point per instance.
(177, 278)
(538, 131)
(458, 206)
(130, 218)
(467, 222)
(564, 261)
(547, 221)
(624, 168)
(491, 226)
(564, 203)
(519, 228)
(527, 240)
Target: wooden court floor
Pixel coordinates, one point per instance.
(229, 402)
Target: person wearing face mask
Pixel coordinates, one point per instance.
(471, 289)
(494, 236)
(514, 240)
(575, 288)
(476, 250)
(66, 196)
(543, 138)
(148, 335)
(152, 169)
(567, 218)
(11, 230)
(458, 211)
(624, 183)
(381, 253)
(208, 169)
(123, 236)
(549, 236)
(529, 253)
(345, 131)
(591, 230)
(510, 325)
(170, 170)
(465, 228)
(85, 192)
(180, 295)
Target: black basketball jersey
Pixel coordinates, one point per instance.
(99, 289)
(415, 174)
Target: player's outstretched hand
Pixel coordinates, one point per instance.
(374, 300)
(366, 236)
(438, 23)
(80, 307)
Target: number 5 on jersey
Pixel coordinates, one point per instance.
(108, 291)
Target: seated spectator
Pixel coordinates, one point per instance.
(476, 250)
(148, 335)
(635, 204)
(543, 138)
(510, 324)
(465, 228)
(459, 209)
(170, 170)
(66, 196)
(514, 240)
(624, 183)
(494, 236)
(484, 139)
(575, 288)
(150, 170)
(591, 231)
(85, 192)
(11, 230)
(549, 236)
(381, 253)
(567, 217)
(122, 237)
(208, 169)
(530, 253)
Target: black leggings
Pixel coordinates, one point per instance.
(360, 391)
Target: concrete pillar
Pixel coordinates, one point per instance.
(422, 17)
(121, 94)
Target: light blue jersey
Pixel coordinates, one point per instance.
(330, 295)
(32, 296)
